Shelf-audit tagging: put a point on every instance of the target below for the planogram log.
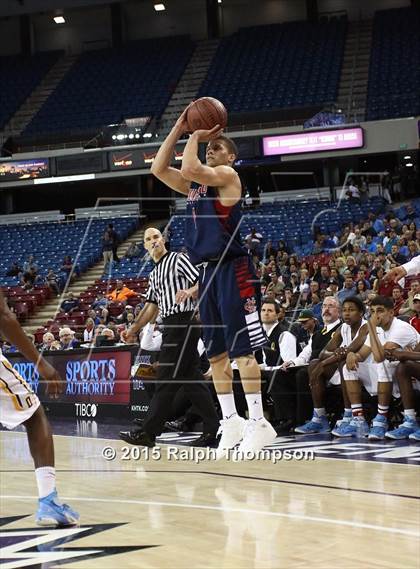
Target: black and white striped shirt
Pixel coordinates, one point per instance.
(173, 272)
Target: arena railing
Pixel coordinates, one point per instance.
(108, 211)
(31, 217)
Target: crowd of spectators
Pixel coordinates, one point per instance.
(342, 266)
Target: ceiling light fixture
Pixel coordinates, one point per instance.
(159, 7)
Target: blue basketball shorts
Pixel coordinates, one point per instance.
(229, 305)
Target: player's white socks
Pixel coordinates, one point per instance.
(320, 412)
(383, 410)
(255, 407)
(45, 478)
(227, 403)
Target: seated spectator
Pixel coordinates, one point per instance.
(106, 338)
(348, 290)
(353, 192)
(304, 280)
(323, 278)
(47, 342)
(253, 239)
(98, 331)
(67, 266)
(94, 316)
(313, 290)
(133, 252)
(337, 276)
(52, 281)
(69, 304)
(123, 317)
(396, 257)
(351, 265)
(14, 271)
(398, 299)
(362, 290)
(30, 264)
(287, 299)
(333, 287)
(308, 326)
(100, 301)
(89, 331)
(275, 285)
(413, 249)
(269, 250)
(104, 317)
(408, 306)
(415, 319)
(29, 279)
(357, 254)
(121, 293)
(380, 286)
(67, 340)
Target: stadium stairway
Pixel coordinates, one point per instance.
(189, 84)
(353, 87)
(49, 310)
(39, 95)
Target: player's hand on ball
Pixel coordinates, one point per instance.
(206, 135)
(54, 382)
(182, 124)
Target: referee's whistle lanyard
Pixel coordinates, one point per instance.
(204, 265)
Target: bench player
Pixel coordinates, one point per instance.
(369, 366)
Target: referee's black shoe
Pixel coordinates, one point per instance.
(205, 440)
(138, 437)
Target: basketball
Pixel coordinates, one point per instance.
(205, 113)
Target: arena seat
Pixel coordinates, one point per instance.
(105, 86)
(394, 70)
(276, 66)
(49, 243)
(19, 77)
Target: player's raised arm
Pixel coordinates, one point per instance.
(161, 164)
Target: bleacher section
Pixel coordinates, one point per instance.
(50, 243)
(394, 72)
(290, 221)
(282, 65)
(78, 318)
(19, 77)
(104, 87)
(293, 222)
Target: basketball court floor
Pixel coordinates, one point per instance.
(325, 503)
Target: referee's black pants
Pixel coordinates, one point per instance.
(179, 364)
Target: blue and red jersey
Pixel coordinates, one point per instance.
(212, 231)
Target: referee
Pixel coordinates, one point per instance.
(172, 286)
